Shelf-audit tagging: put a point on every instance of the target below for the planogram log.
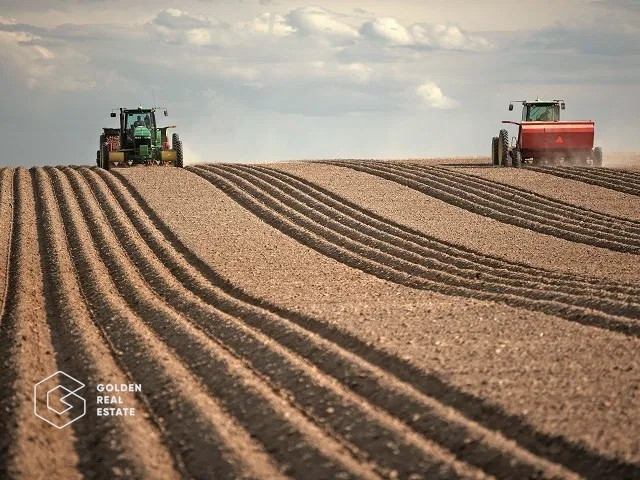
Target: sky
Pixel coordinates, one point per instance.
(267, 80)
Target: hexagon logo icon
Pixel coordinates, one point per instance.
(55, 400)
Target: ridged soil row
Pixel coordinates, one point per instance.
(620, 183)
(530, 205)
(365, 430)
(370, 254)
(493, 454)
(112, 443)
(419, 248)
(420, 399)
(6, 227)
(617, 175)
(552, 207)
(28, 445)
(451, 254)
(260, 363)
(477, 203)
(204, 440)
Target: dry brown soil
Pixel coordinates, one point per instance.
(426, 318)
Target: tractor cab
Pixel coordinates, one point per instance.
(541, 111)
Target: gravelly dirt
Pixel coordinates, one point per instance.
(332, 324)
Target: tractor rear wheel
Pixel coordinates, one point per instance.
(98, 157)
(179, 155)
(516, 158)
(176, 144)
(503, 148)
(597, 157)
(494, 151)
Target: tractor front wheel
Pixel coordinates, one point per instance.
(494, 151)
(503, 148)
(597, 157)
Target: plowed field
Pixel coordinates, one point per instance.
(318, 320)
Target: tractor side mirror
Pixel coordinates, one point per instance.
(165, 112)
(562, 106)
(510, 106)
(113, 115)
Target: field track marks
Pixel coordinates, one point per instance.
(122, 446)
(6, 227)
(208, 439)
(339, 342)
(619, 180)
(326, 401)
(490, 203)
(325, 234)
(452, 254)
(28, 445)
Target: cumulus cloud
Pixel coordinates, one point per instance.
(432, 96)
(421, 35)
(318, 21)
(180, 27)
(387, 29)
(270, 23)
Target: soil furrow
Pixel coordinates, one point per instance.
(107, 441)
(285, 434)
(264, 358)
(619, 185)
(328, 402)
(493, 195)
(399, 247)
(6, 228)
(383, 265)
(564, 211)
(446, 252)
(196, 429)
(478, 205)
(28, 445)
(615, 175)
(565, 452)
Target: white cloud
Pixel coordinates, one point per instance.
(318, 21)
(433, 97)
(387, 29)
(270, 23)
(447, 37)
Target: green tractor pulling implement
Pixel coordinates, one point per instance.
(138, 141)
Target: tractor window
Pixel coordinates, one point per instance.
(139, 119)
(543, 113)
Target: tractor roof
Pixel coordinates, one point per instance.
(536, 101)
(139, 109)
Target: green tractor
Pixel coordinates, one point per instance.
(138, 141)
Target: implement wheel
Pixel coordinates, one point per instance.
(494, 151)
(597, 157)
(503, 148)
(516, 158)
